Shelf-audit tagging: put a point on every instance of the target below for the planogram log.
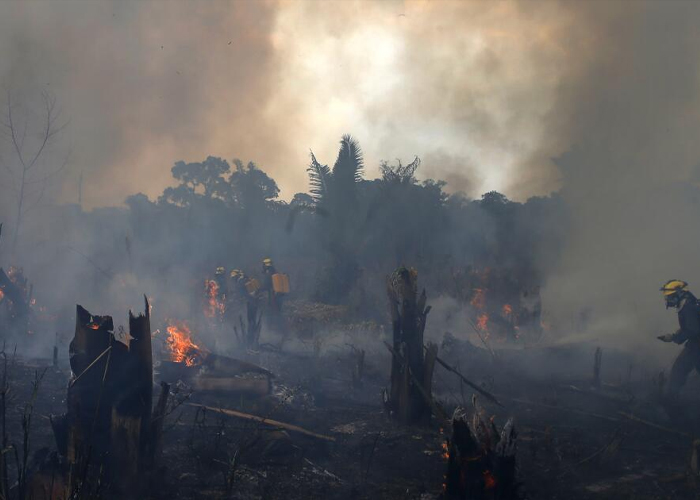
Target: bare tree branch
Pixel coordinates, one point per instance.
(30, 175)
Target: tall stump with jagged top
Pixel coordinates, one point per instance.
(110, 433)
(409, 398)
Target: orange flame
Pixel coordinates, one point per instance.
(482, 322)
(2, 294)
(507, 310)
(489, 480)
(182, 349)
(445, 451)
(214, 306)
(479, 299)
(93, 325)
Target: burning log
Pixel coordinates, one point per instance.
(409, 368)
(480, 460)
(210, 372)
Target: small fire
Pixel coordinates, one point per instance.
(93, 325)
(482, 322)
(507, 310)
(479, 299)
(2, 294)
(489, 480)
(214, 306)
(182, 349)
(445, 451)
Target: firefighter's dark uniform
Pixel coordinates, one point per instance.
(688, 333)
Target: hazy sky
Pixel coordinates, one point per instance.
(464, 85)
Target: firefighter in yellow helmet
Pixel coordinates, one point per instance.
(268, 267)
(677, 296)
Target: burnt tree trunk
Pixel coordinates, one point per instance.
(480, 460)
(108, 425)
(411, 376)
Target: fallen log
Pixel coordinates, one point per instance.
(471, 384)
(213, 365)
(225, 366)
(263, 420)
(483, 340)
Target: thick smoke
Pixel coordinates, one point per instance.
(624, 118)
(144, 84)
(596, 99)
(148, 83)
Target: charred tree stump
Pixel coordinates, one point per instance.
(407, 401)
(480, 460)
(249, 333)
(358, 368)
(108, 426)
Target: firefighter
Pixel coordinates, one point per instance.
(273, 298)
(268, 267)
(677, 296)
(237, 285)
(220, 278)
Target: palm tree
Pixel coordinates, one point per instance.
(332, 187)
(334, 193)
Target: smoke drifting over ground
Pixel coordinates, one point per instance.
(626, 115)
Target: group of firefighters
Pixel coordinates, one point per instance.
(239, 289)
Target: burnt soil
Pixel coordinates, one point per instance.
(575, 441)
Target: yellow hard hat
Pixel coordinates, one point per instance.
(220, 270)
(267, 261)
(672, 287)
(235, 273)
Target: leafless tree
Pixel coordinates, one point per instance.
(29, 168)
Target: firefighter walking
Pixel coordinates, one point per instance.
(677, 296)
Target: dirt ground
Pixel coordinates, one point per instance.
(574, 441)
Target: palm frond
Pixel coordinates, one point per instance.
(349, 163)
(318, 179)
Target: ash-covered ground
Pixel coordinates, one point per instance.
(576, 438)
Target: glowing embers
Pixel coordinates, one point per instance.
(482, 322)
(182, 347)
